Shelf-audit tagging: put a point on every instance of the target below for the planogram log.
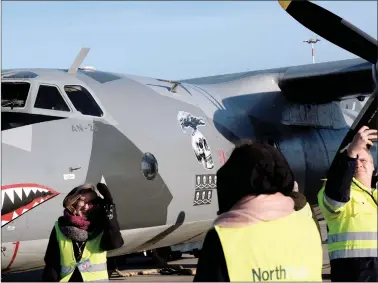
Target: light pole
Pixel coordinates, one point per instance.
(312, 41)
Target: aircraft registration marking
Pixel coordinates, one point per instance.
(83, 128)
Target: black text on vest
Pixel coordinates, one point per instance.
(269, 275)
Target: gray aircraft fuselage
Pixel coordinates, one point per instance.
(157, 150)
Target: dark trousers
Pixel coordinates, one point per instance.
(111, 265)
(363, 269)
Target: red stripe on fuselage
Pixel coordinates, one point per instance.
(13, 256)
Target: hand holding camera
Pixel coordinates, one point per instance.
(364, 138)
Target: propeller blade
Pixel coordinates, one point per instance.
(333, 28)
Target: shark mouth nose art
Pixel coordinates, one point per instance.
(18, 199)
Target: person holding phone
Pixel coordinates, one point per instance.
(80, 239)
(349, 205)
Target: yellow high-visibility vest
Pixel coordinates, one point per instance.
(287, 249)
(92, 265)
(352, 225)
(306, 210)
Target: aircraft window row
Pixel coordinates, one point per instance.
(101, 77)
(98, 76)
(20, 75)
(49, 97)
(14, 94)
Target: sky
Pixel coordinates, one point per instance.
(168, 40)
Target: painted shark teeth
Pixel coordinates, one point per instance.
(19, 199)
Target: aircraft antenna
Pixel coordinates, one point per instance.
(312, 41)
(78, 60)
(175, 84)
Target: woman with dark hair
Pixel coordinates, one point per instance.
(258, 235)
(80, 239)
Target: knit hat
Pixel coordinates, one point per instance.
(253, 168)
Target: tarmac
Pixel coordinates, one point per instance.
(139, 265)
(142, 269)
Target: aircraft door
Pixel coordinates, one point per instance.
(66, 142)
(56, 159)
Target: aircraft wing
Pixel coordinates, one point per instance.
(312, 83)
(322, 83)
(325, 82)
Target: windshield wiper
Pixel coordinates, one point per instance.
(11, 103)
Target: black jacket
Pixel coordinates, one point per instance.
(338, 185)
(112, 239)
(211, 264)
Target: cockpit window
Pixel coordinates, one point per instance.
(14, 94)
(83, 100)
(49, 97)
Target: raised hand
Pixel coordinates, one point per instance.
(104, 191)
(364, 137)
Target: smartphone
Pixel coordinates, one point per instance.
(367, 117)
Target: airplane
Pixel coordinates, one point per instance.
(158, 143)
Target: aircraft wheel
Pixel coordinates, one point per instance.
(176, 255)
(196, 253)
(161, 256)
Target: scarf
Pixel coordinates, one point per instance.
(78, 228)
(254, 209)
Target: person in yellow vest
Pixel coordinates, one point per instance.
(258, 235)
(349, 205)
(80, 239)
